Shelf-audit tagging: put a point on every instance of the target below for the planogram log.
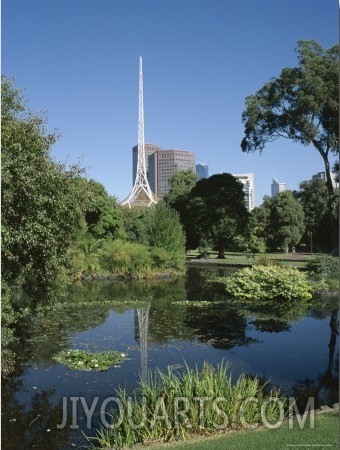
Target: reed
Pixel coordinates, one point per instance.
(172, 406)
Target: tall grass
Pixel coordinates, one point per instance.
(176, 406)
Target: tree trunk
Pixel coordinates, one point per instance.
(332, 205)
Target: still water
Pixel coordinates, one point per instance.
(160, 324)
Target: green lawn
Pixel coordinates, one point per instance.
(234, 258)
(325, 434)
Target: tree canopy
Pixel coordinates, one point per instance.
(213, 212)
(313, 197)
(42, 201)
(103, 216)
(302, 105)
(180, 184)
(286, 221)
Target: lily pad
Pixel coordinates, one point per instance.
(84, 360)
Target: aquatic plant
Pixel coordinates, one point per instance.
(177, 406)
(84, 360)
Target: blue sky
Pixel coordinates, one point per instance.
(78, 61)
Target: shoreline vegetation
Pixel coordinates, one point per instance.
(201, 406)
(322, 270)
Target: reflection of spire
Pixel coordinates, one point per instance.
(143, 322)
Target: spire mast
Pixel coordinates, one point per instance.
(141, 194)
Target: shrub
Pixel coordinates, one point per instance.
(323, 271)
(324, 267)
(268, 282)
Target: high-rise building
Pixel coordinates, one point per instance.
(162, 164)
(277, 187)
(322, 176)
(202, 171)
(149, 149)
(247, 179)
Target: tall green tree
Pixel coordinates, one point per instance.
(103, 215)
(302, 105)
(42, 201)
(213, 211)
(313, 197)
(286, 221)
(180, 184)
(164, 229)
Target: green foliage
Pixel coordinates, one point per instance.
(83, 360)
(103, 215)
(43, 202)
(125, 257)
(9, 319)
(164, 229)
(264, 260)
(323, 270)
(324, 266)
(268, 282)
(279, 221)
(314, 199)
(180, 183)
(252, 243)
(302, 104)
(134, 223)
(157, 408)
(213, 212)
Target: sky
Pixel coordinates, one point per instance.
(77, 61)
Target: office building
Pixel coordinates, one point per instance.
(162, 164)
(277, 187)
(149, 149)
(247, 179)
(202, 171)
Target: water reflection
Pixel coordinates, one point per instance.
(159, 324)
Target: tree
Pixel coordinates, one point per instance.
(313, 197)
(286, 221)
(164, 229)
(213, 211)
(259, 220)
(103, 216)
(180, 184)
(42, 201)
(302, 105)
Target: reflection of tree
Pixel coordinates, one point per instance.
(217, 325)
(199, 287)
(326, 390)
(50, 330)
(270, 325)
(31, 426)
(272, 316)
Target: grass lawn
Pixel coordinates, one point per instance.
(325, 434)
(233, 258)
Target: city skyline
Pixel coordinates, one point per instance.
(201, 60)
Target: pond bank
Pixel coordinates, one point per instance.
(326, 431)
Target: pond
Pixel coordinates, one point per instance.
(159, 324)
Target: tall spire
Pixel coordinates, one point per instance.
(141, 194)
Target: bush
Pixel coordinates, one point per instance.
(323, 272)
(268, 282)
(324, 266)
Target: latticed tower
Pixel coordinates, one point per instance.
(141, 194)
